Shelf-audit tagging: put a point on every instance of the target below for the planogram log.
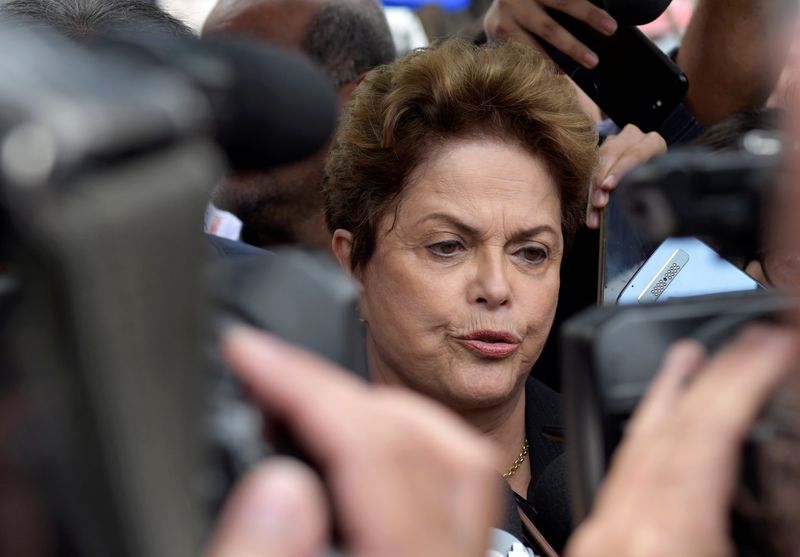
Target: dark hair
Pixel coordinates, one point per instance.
(401, 112)
(726, 135)
(347, 40)
(81, 19)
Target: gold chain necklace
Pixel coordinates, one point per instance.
(517, 463)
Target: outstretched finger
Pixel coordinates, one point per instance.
(537, 21)
(585, 11)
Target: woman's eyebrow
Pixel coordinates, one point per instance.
(534, 231)
(453, 221)
(471, 230)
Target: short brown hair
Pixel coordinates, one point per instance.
(403, 111)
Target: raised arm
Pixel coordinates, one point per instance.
(733, 52)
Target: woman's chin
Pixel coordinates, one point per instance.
(482, 393)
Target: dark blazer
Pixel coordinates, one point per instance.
(547, 498)
(223, 248)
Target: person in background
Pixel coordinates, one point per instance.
(346, 38)
(82, 19)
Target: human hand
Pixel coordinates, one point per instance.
(671, 481)
(619, 154)
(521, 19)
(277, 510)
(406, 477)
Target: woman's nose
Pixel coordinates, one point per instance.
(491, 286)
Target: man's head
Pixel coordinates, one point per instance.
(346, 38)
(82, 19)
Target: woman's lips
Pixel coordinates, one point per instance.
(491, 344)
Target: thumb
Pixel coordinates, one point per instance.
(278, 510)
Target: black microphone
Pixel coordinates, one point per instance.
(268, 106)
(551, 501)
(67, 106)
(636, 12)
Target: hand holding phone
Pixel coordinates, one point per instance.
(633, 83)
(522, 19)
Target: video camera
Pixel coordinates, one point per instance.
(611, 353)
(107, 159)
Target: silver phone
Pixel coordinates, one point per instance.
(684, 267)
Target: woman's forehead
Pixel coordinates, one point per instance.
(482, 178)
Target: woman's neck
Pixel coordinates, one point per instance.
(505, 427)
(503, 424)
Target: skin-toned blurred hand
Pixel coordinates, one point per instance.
(521, 19)
(620, 154)
(672, 479)
(406, 477)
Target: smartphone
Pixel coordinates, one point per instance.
(634, 83)
(684, 267)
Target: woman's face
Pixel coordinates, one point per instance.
(460, 293)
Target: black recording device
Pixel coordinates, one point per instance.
(107, 165)
(235, 78)
(636, 12)
(634, 82)
(298, 294)
(724, 196)
(610, 354)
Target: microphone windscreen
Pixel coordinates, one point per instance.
(551, 501)
(636, 12)
(278, 107)
(267, 106)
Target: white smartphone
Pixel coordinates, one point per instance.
(683, 267)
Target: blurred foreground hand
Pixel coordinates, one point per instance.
(672, 479)
(407, 478)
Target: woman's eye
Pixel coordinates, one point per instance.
(446, 249)
(532, 254)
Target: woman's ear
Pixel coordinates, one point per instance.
(341, 246)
